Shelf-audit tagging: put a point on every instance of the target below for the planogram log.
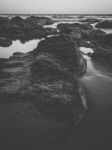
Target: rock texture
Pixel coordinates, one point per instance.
(104, 24)
(90, 20)
(4, 42)
(25, 29)
(86, 36)
(46, 80)
(76, 30)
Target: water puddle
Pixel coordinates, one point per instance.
(17, 46)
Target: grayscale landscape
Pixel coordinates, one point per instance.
(55, 75)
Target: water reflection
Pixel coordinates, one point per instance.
(17, 46)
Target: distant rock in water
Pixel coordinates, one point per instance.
(104, 24)
(46, 79)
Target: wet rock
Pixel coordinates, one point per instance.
(26, 29)
(16, 55)
(12, 32)
(90, 20)
(5, 42)
(17, 21)
(104, 24)
(47, 79)
(3, 21)
(104, 57)
(39, 20)
(51, 31)
(76, 30)
(101, 38)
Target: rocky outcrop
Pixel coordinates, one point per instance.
(85, 35)
(102, 46)
(3, 20)
(105, 57)
(46, 79)
(39, 20)
(76, 30)
(25, 29)
(104, 24)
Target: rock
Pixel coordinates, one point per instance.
(26, 29)
(4, 42)
(47, 80)
(12, 32)
(39, 20)
(104, 57)
(3, 21)
(76, 30)
(95, 36)
(17, 21)
(104, 24)
(101, 38)
(90, 20)
(16, 55)
(51, 31)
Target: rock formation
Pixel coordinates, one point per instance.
(25, 29)
(104, 24)
(47, 80)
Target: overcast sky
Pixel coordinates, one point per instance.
(56, 6)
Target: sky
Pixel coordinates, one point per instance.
(56, 6)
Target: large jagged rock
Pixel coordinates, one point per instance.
(104, 24)
(46, 78)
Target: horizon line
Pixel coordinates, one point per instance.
(55, 14)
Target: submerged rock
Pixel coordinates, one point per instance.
(47, 79)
